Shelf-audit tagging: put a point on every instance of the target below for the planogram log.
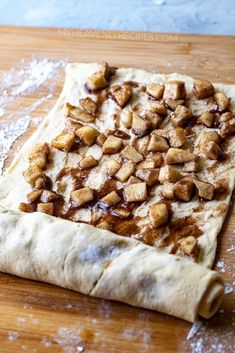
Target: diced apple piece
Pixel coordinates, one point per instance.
(122, 212)
(25, 207)
(207, 119)
(209, 136)
(222, 101)
(47, 208)
(126, 118)
(184, 189)
(181, 116)
(174, 90)
(112, 166)
(154, 119)
(112, 145)
(211, 150)
(125, 171)
(133, 180)
(79, 114)
(158, 215)
(168, 190)
(130, 153)
(135, 192)
(87, 134)
(49, 196)
(173, 104)
(155, 90)
(82, 196)
(101, 139)
(170, 174)
(157, 143)
(191, 167)
(205, 190)
(64, 141)
(146, 164)
(121, 94)
(226, 117)
(178, 156)
(32, 173)
(148, 175)
(88, 162)
(140, 126)
(156, 158)
(38, 155)
(40, 183)
(188, 245)
(39, 159)
(107, 71)
(72, 125)
(42, 148)
(161, 132)
(177, 137)
(34, 195)
(158, 108)
(142, 144)
(88, 105)
(111, 199)
(96, 81)
(227, 128)
(202, 89)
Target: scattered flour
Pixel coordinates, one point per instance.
(9, 134)
(13, 336)
(21, 319)
(69, 306)
(1, 112)
(212, 336)
(27, 306)
(31, 76)
(19, 82)
(69, 338)
(231, 249)
(46, 342)
(133, 334)
(208, 339)
(28, 77)
(229, 288)
(221, 265)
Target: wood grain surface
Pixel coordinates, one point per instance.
(37, 317)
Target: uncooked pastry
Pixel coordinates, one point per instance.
(157, 280)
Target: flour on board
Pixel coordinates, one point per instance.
(20, 82)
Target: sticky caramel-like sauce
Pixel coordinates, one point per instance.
(149, 236)
(133, 84)
(79, 176)
(181, 228)
(222, 189)
(125, 227)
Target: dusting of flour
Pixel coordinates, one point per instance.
(17, 83)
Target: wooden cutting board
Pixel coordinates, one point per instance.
(37, 317)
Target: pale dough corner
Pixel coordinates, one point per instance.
(98, 262)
